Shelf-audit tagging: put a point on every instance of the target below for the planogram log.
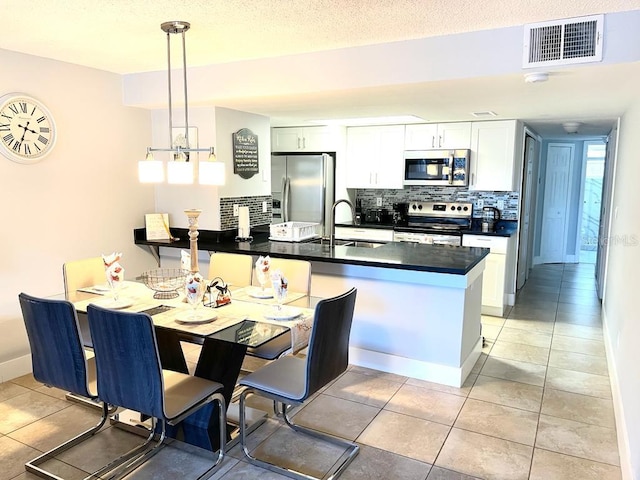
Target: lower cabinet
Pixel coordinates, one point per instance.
(495, 271)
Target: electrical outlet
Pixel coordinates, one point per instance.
(235, 209)
(500, 204)
(378, 201)
(264, 207)
(480, 203)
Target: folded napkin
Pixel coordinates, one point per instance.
(113, 269)
(279, 284)
(263, 263)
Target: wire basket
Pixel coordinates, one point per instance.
(165, 281)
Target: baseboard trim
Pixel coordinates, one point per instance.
(618, 407)
(431, 372)
(14, 368)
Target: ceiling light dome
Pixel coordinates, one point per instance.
(571, 127)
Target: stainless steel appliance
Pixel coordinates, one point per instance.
(435, 222)
(437, 167)
(302, 187)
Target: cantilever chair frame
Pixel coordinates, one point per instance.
(106, 352)
(311, 386)
(86, 369)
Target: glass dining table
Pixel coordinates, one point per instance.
(249, 320)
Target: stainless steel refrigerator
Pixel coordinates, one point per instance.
(302, 187)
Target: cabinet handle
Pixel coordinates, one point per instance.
(298, 143)
(304, 142)
(433, 141)
(440, 141)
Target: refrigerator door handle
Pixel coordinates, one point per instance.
(285, 199)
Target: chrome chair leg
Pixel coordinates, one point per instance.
(351, 448)
(33, 465)
(133, 459)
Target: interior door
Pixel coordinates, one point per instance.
(556, 202)
(528, 195)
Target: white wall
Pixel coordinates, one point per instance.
(80, 201)
(622, 315)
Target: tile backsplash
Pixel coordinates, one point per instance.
(441, 194)
(256, 216)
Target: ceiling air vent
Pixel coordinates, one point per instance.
(563, 42)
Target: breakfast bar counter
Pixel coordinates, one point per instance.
(418, 306)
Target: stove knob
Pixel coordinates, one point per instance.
(413, 206)
(459, 208)
(465, 208)
(453, 207)
(420, 207)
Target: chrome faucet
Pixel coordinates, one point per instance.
(332, 224)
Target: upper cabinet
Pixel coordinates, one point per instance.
(375, 156)
(496, 155)
(303, 139)
(427, 136)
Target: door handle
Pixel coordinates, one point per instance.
(285, 200)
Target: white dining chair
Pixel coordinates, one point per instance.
(83, 273)
(297, 273)
(234, 268)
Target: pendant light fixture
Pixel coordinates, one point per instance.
(180, 168)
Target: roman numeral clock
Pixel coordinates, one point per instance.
(27, 128)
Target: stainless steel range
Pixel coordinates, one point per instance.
(435, 222)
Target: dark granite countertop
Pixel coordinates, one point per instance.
(395, 255)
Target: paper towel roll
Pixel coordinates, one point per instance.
(243, 222)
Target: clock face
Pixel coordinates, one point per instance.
(27, 129)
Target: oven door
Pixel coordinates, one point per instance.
(436, 167)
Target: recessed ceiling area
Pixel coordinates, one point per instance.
(125, 37)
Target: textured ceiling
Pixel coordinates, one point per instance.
(124, 36)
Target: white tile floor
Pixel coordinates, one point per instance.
(537, 406)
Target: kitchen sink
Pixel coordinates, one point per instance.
(348, 243)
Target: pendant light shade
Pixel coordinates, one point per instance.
(211, 171)
(150, 170)
(180, 166)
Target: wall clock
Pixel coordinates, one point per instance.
(27, 128)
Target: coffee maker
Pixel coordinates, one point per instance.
(400, 211)
(490, 215)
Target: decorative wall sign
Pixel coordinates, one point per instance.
(245, 153)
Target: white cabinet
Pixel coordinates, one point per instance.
(375, 157)
(427, 136)
(495, 271)
(370, 234)
(303, 139)
(496, 155)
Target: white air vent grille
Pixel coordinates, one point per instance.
(562, 42)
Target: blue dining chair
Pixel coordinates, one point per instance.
(130, 376)
(291, 380)
(58, 360)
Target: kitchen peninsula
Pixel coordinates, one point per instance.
(418, 306)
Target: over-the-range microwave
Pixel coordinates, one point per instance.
(437, 167)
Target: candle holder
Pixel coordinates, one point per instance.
(192, 217)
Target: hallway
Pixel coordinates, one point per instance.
(536, 406)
